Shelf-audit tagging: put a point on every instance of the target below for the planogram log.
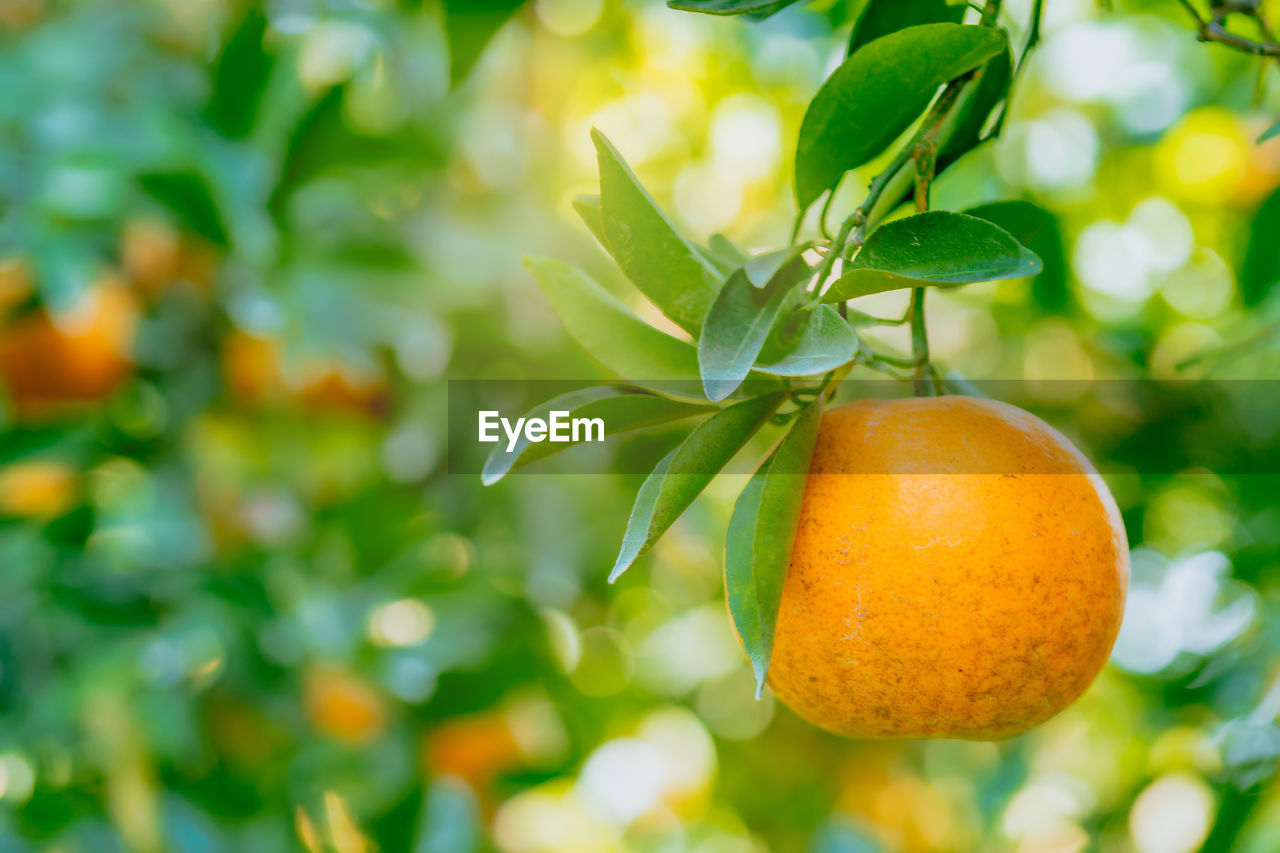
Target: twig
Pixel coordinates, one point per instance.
(1214, 29)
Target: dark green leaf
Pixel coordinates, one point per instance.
(666, 267)
(755, 8)
(738, 325)
(190, 198)
(881, 17)
(1261, 269)
(685, 471)
(610, 331)
(588, 208)
(875, 95)
(470, 24)
(1038, 230)
(985, 97)
(934, 248)
(1270, 133)
(761, 533)
(240, 77)
(622, 409)
(827, 342)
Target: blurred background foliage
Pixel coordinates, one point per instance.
(243, 605)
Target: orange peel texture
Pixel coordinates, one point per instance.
(959, 571)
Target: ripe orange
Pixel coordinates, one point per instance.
(256, 373)
(959, 570)
(48, 361)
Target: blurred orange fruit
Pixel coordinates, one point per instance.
(343, 705)
(255, 373)
(154, 255)
(959, 571)
(81, 355)
(37, 489)
(475, 749)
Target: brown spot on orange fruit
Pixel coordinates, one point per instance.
(51, 360)
(959, 571)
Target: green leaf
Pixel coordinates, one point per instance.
(724, 250)
(761, 533)
(1022, 219)
(685, 471)
(610, 331)
(1261, 268)
(828, 342)
(1270, 133)
(190, 198)
(469, 25)
(755, 8)
(991, 88)
(881, 17)
(762, 268)
(240, 77)
(875, 95)
(622, 408)
(738, 325)
(666, 267)
(934, 248)
(588, 208)
(1038, 230)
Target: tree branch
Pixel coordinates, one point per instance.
(1214, 29)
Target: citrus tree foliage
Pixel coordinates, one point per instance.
(768, 314)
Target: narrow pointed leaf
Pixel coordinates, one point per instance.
(881, 17)
(588, 208)
(762, 268)
(936, 248)
(761, 534)
(976, 109)
(470, 25)
(755, 8)
(720, 246)
(665, 266)
(1270, 133)
(738, 325)
(621, 408)
(875, 95)
(610, 331)
(685, 471)
(827, 342)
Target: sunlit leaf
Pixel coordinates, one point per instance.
(875, 95)
(588, 208)
(826, 343)
(738, 325)
(934, 248)
(621, 408)
(665, 266)
(761, 533)
(685, 471)
(610, 331)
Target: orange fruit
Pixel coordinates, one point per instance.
(959, 570)
(475, 748)
(257, 373)
(37, 488)
(344, 706)
(81, 355)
